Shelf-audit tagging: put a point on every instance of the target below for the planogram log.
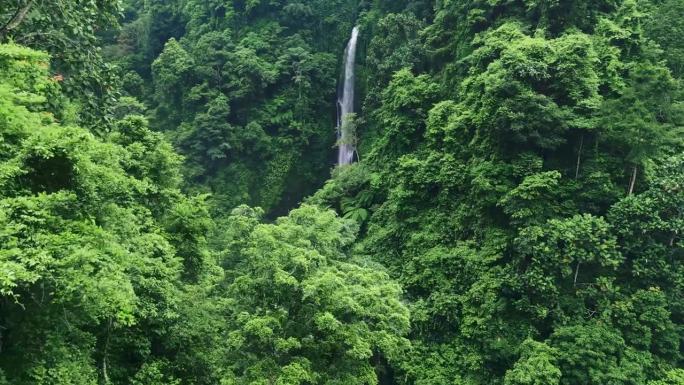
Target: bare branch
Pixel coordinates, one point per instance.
(16, 20)
(632, 182)
(579, 157)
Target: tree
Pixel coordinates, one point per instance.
(173, 76)
(536, 366)
(595, 354)
(405, 104)
(69, 31)
(87, 266)
(673, 377)
(303, 311)
(664, 24)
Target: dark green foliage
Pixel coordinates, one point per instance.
(245, 91)
(517, 201)
(665, 24)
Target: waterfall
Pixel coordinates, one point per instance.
(345, 104)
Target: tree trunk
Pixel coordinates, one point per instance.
(579, 157)
(633, 181)
(16, 20)
(105, 358)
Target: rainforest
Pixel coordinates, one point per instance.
(342, 192)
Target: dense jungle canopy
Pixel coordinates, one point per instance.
(171, 212)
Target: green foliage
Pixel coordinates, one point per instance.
(594, 354)
(153, 374)
(501, 199)
(561, 257)
(537, 366)
(674, 377)
(404, 106)
(172, 71)
(290, 305)
(244, 91)
(303, 311)
(533, 201)
(85, 259)
(664, 25)
(69, 31)
(515, 216)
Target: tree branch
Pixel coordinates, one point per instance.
(16, 20)
(632, 182)
(579, 156)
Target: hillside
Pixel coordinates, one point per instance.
(176, 205)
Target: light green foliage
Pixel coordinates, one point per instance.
(404, 106)
(532, 200)
(290, 305)
(536, 366)
(172, 71)
(657, 214)
(673, 377)
(84, 257)
(68, 30)
(645, 321)
(351, 192)
(596, 354)
(395, 44)
(303, 311)
(188, 222)
(153, 374)
(520, 93)
(562, 256)
(645, 119)
(350, 123)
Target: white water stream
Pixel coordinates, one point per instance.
(345, 101)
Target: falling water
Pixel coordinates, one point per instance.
(345, 101)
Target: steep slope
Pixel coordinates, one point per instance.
(515, 216)
(521, 165)
(245, 90)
